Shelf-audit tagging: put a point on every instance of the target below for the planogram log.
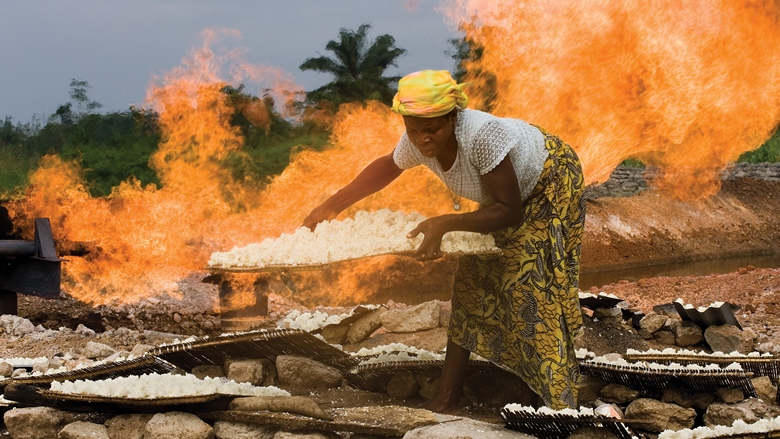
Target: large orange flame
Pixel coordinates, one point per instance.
(147, 238)
(683, 86)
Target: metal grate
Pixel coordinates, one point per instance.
(253, 344)
(650, 380)
(364, 376)
(560, 425)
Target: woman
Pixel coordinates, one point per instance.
(519, 310)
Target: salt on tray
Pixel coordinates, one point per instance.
(157, 386)
(546, 423)
(369, 234)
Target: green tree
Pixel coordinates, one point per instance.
(112, 147)
(358, 68)
(65, 114)
(768, 152)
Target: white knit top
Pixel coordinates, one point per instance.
(483, 141)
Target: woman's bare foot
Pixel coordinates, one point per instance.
(440, 406)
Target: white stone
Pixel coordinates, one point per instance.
(177, 425)
(418, 318)
(33, 422)
(84, 430)
(238, 430)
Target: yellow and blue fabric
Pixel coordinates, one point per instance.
(521, 310)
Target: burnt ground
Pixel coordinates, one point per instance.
(742, 219)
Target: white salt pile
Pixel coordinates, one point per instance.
(518, 408)
(368, 234)
(311, 321)
(688, 352)
(151, 386)
(395, 352)
(610, 360)
(737, 429)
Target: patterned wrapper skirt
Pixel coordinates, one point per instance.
(521, 310)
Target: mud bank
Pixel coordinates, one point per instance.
(742, 219)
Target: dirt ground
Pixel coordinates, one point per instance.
(742, 219)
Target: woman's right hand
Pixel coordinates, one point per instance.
(319, 214)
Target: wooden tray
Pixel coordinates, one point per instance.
(313, 267)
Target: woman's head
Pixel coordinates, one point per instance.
(428, 93)
(428, 101)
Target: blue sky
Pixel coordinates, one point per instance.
(117, 46)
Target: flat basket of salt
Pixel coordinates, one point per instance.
(546, 423)
(653, 377)
(369, 376)
(260, 344)
(380, 233)
(114, 369)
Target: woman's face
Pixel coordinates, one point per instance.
(430, 135)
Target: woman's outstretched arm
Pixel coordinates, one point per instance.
(373, 178)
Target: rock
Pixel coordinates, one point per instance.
(592, 433)
(83, 330)
(292, 404)
(301, 371)
(16, 325)
(238, 430)
(762, 409)
(701, 401)
(314, 435)
(428, 381)
(678, 395)
(613, 313)
(730, 396)
(728, 339)
(687, 334)
(6, 369)
(177, 425)
(337, 333)
(418, 318)
(33, 422)
(95, 350)
(365, 326)
(618, 393)
(765, 390)
(664, 337)
(40, 366)
(724, 414)
(769, 346)
(444, 318)
(589, 388)
(140, 349)
(128, 426)
(464, 428)
(208, 370)
(652, 322)
(251, 371)
(403, 385)
(661, 416)
(84, 430)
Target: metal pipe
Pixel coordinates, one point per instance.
(14, 247)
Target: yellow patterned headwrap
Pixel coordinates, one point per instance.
(429, 93)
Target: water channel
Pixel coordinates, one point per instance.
(695, 268)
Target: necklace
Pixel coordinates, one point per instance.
(456, 197)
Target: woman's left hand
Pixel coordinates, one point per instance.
(433, 230)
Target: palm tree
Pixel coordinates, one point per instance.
(357, 68)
